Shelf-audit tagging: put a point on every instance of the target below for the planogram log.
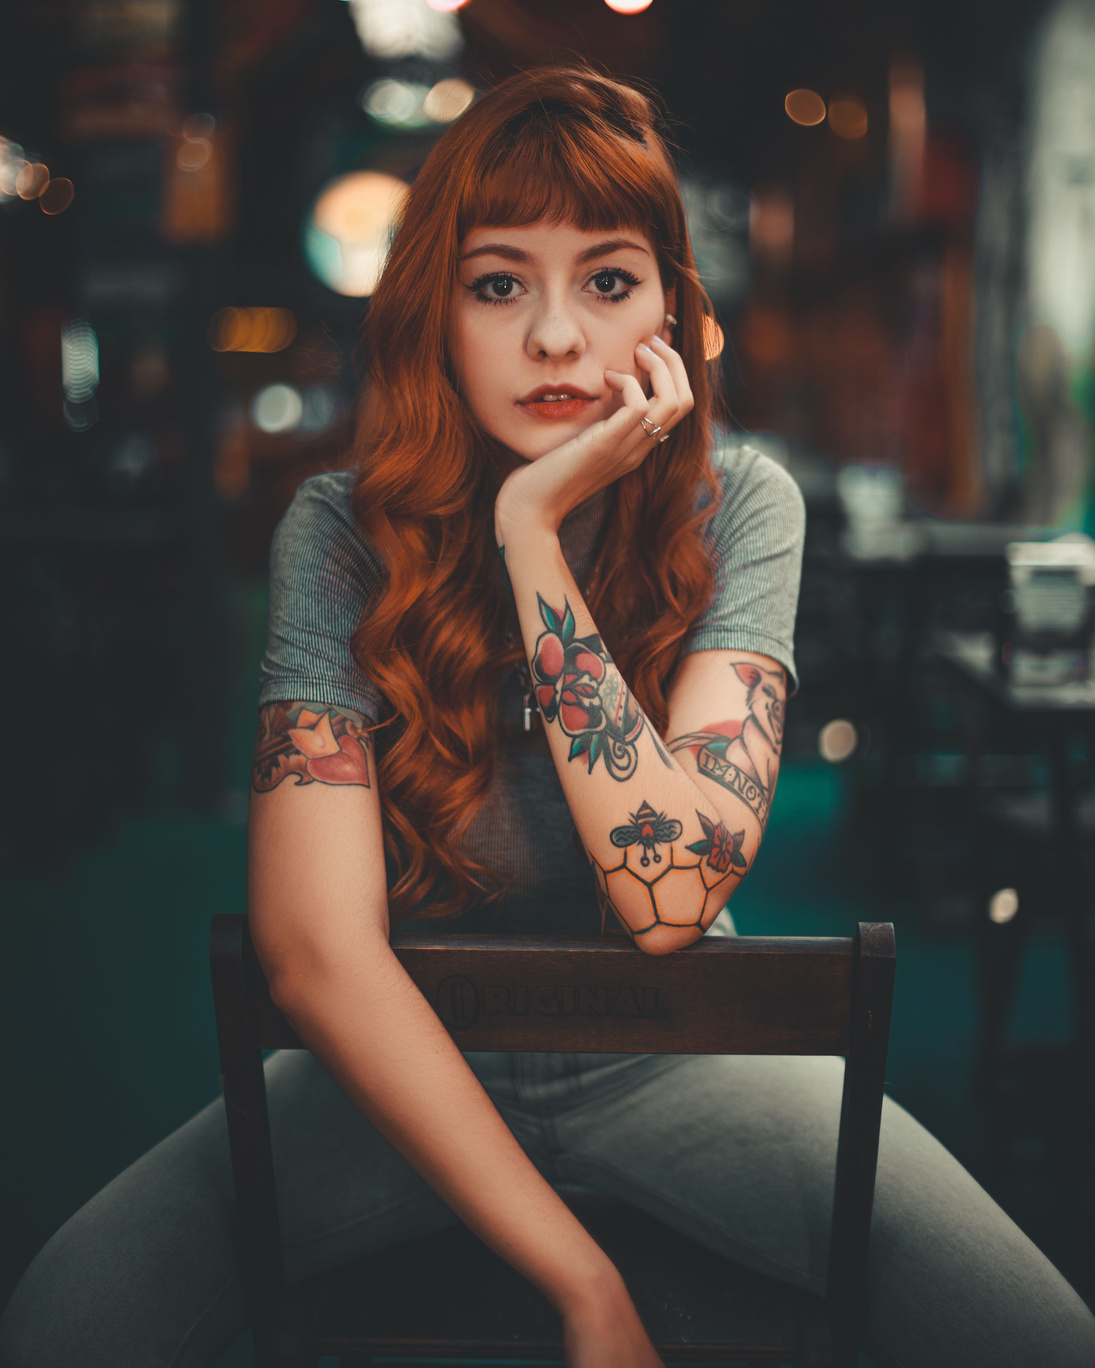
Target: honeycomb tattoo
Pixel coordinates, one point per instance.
(672, 893)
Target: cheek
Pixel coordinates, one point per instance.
(619, 339)
(483, 364)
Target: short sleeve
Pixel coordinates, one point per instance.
(756, 537)
(322, 574)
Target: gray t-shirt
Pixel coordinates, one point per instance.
(323, 573)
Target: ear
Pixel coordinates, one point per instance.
(748, 674)
(668, 332)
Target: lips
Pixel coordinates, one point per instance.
(557, 392)
(556, 401)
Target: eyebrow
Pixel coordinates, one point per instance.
(509, 253)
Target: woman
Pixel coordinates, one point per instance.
(539, 389)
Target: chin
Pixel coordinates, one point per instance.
(532, 446)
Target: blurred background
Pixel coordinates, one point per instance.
(892, 204)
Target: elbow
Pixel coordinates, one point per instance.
(304, 974)
(670, 928)
(664, 938)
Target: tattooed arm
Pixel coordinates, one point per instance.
(669, 829)
(319, 919)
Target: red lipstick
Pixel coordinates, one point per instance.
(556, 401)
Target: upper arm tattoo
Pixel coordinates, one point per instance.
(314, 742)
(743, 756)
(578, 686)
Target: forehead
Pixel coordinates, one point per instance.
(548, 238)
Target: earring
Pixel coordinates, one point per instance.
(671, 320)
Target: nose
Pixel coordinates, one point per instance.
(555, 329)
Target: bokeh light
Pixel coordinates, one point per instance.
(347, 234)
(447, 100)
(396, 104)
(393, 29)
(907, 113)
(848, 118)
(1003, 906)
(199, 127)
(31, 180)
(321, 405)
(252, 330)
(837, 740)
(79, 374)
(446, 6)
(713, 339)
(805, 107)
(277, 408)
(12, 162)
(628, 6)
(193, 154)
(771, 223)
(57, 196)
(79, 360)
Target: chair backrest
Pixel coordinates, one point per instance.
(727, 995)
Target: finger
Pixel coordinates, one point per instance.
(666, 405)
(623, 429)
(676, 365)
(664, 390)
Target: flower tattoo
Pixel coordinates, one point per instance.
(723, 849)
(578, 686)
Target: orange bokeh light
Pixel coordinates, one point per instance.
(252, 330)
(32, 179)
(57, 196)
(805, 107)
(628, 6)
(848, 118)
(713, 339)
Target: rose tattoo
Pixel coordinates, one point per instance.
(578, 686)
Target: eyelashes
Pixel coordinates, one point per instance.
(505, 278)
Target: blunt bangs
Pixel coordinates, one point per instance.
(572, 169)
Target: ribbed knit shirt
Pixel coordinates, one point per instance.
(323, 574)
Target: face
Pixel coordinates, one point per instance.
(539, 314)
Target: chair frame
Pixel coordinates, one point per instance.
(732, 995)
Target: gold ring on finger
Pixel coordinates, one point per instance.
(652, 430)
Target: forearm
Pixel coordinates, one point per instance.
(636, 810)
(380, 1040)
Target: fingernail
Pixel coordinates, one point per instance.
(645, 348)
(660, 342)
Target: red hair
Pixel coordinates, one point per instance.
(565, 145)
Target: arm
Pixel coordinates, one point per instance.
(672, 829)
(319, 919)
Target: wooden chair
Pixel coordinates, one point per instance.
(447, 1296)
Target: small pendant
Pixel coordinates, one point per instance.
(528, 712)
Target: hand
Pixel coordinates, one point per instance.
(543, 492)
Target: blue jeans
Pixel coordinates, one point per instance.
(736, 1151)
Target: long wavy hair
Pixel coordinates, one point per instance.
(568, 145)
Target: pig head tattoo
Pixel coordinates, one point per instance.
(743, 757)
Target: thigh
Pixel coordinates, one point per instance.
(740, 1152)
(145, 1274)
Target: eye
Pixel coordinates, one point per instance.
(503, 284)
(606, 279)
